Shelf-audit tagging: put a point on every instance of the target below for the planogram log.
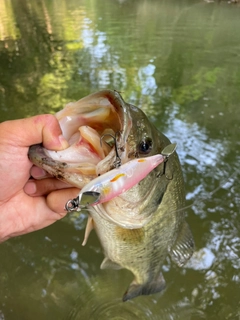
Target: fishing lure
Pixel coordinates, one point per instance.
(114, 182)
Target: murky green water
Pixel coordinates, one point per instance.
(178, 61)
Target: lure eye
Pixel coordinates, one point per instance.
(145, 146)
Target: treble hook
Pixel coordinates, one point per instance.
(117, 163)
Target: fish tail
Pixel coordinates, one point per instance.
(134, 290)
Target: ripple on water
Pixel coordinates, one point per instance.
(101, 301)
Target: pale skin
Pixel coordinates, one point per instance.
(26, 204)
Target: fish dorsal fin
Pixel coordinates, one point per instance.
(154, 286)
(183, 248)
(88, 230)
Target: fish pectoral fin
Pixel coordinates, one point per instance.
(183, 248)
(109, 264)
(88, 230)
(135, 289)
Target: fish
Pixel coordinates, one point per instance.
(137, 228)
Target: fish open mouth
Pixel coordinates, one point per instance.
(94, 127)
(91, 126)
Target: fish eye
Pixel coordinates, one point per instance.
(145, 146)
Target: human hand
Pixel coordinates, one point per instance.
(27, 205)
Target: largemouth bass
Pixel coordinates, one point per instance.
(140, 227)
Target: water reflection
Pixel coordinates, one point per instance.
(8, 29)
(178, 61)
(194, 146)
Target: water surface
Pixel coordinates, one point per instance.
(179, 62)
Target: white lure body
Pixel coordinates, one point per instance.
(114, 182)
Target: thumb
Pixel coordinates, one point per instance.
(38, 129)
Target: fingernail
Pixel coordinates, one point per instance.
(38, 173)
(63, 141)
(30, 188)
